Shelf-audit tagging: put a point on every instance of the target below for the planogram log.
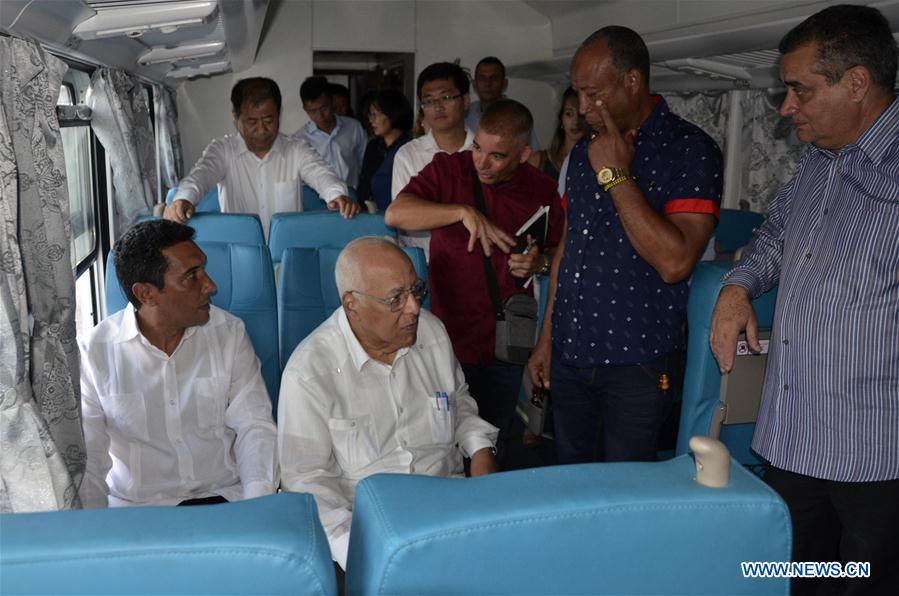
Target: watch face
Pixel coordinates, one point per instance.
(605, 175)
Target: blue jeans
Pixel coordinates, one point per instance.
(496, 387)
(611, 413)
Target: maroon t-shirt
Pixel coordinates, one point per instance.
(459, 295)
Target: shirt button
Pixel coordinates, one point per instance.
(825, 211)
(405, 442)
(786, 342)
(808, 255)
(400, 410)
(353, 423)
(171, 402)
(786, 387)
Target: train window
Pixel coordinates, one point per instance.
(76, 145)
(66, 95)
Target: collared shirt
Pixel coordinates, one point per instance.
(162, 429)
(410, 160)
(612, 307)
(474, 116)
(342, 148)
(830, 403)
(459, 295)
(265, 186)
(343, 416)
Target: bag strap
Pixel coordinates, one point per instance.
(499, 312)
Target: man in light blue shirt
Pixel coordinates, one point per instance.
(339, 140)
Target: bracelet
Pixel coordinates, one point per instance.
(546, 266)
(615, 182)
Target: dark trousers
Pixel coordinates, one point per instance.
(842, 521)
(205, 501)
(496, 387)
(611, 413)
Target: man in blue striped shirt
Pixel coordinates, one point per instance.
(829, 419)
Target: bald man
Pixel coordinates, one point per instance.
(357, 399)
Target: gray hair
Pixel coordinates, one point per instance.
(347, 271)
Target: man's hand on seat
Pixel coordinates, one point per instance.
(483, 462)
(733, 314)
(347, 206)
(179, 211)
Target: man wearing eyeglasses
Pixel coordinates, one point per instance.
(441, 198)
(375, 389)
(443, 94)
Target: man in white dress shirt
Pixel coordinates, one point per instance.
(376, 388)
(443, 94)
(339, 140)
(174, 407)
(259, 170)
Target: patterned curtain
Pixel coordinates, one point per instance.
(121, 121)
(771, 150)
(171, 161)
(42, 458)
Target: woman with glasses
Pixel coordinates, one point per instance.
(390, 118)
(570, 127)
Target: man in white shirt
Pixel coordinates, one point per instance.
(376, 388)
(490, 84)
(443, 94)
(339, 140)
(259, 170)
(174, 407)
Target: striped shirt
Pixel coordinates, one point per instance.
(830, 404)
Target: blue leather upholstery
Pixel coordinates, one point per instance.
(313, 202)
(307, 291)
(242, 228)
(736, 228)
(321, 228)
(209, 204)
(623, 528)
(702, 379)
(270, 545)
(246, 289)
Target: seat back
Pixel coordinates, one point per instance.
(246, 289)
(622, 528)
(736, 228)
(242, 228)
(209, 204)
(322, 228)
(313, 202)
(307, 291)
(270, 545)
(706, 393)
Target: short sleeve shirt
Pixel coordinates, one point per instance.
(459, 295)
(612, 307)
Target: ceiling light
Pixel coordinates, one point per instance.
(134, 19)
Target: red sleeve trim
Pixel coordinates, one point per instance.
(706, 206)
(563, 201)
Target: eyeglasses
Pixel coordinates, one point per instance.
(397, 302)
(434, 102)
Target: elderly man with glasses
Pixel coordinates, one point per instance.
(375, 389)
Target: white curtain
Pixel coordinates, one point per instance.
(42, 457)
(171, 161)
(121, 120)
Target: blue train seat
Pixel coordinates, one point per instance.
(621, 528)
(321, 228)
(243, 228)
(313, 202)
(269, 545)
(735, 229)
(703, 383)
(209, 204)
(246, 289)
(307, 291)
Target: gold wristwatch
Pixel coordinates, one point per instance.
(609, 178)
